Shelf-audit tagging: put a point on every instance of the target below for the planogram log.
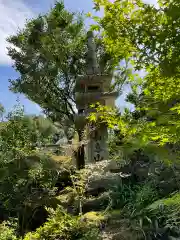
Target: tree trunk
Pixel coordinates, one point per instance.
(80, 154)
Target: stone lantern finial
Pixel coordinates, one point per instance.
(92, 66)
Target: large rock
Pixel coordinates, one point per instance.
(166, 178)
(138, 170)
(119, 228)
(102, 183)
(167, 187)
(113, 166)
(166, 173)
(102, 176)
(96, 204)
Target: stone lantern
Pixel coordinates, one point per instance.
(92, 88)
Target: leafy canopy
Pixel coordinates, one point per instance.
(49, 55)
(147, 36)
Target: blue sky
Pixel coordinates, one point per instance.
(13, 16)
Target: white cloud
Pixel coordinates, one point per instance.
(13, 15)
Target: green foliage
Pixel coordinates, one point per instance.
(167, 206)
(147, 37)
(61, 225)
(146, 32)
(135, 134)
(27, 178)
(94, 218)
(144, 195)
(21, 133)
(7, 231)
(50, 56)
(42, 127)
(133, 197)
(162, 217)
(121, 195)
(15, 135)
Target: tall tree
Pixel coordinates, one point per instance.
(50, 53)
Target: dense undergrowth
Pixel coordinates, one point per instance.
(42, 198)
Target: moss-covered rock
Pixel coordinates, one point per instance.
(96, 204)
(95, 218)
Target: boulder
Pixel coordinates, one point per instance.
(167, 187)
(102, 183)
(96, 204)
(103, 175)
(119, 228)
(113, 167)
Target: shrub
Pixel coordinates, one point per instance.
(167, 209)
(121, 194)
(63, 226)
(27, 179)
(133, 199)
(7, 231)
(27, 185)
(145, 195)
(162, 217)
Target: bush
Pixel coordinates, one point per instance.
(121, 194)
(63, 226)
(133, 199)
(165, 209)
(27, 185)
(28, 179)
(145, 195)
(7, 231)
(162, 217)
